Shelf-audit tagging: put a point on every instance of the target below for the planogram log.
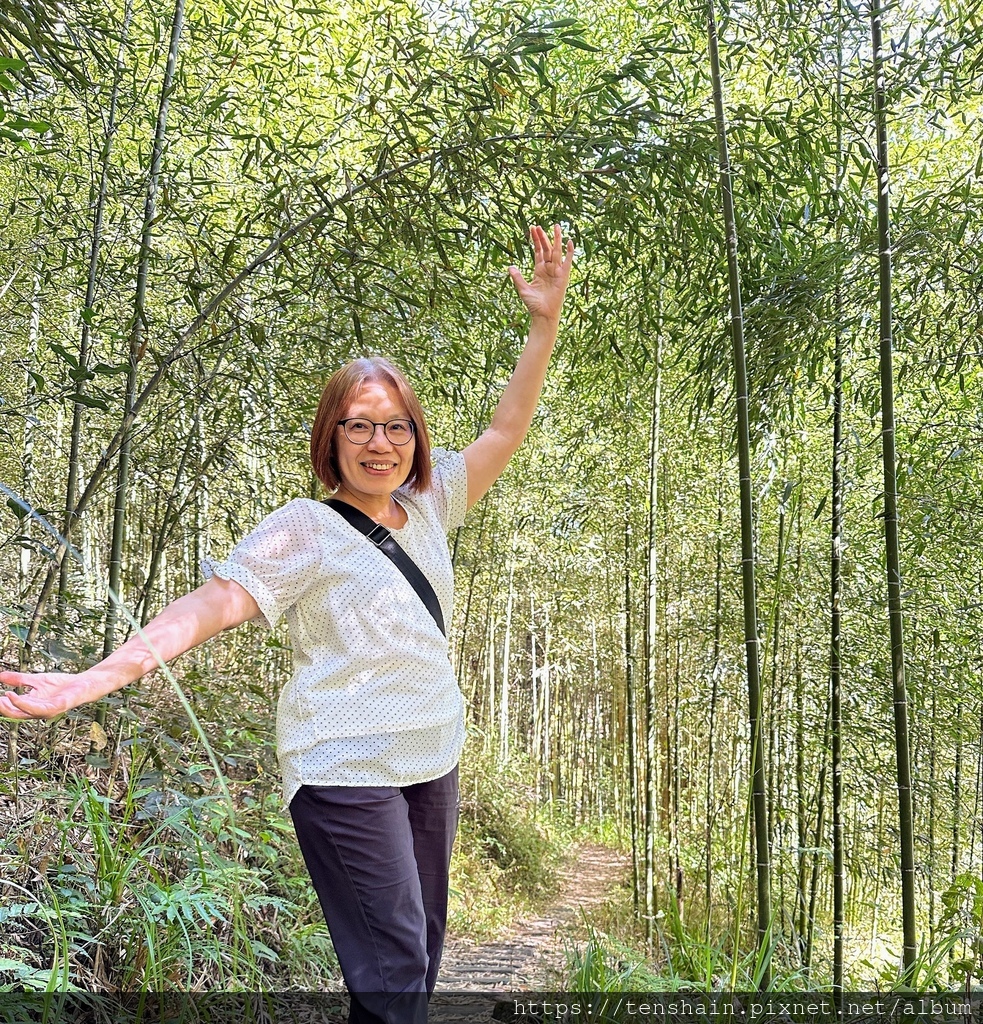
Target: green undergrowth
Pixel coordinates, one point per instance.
(620, 960)
(615, 957)
(508, 848)
(129, 869)
(155, 888)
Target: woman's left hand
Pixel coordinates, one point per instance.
(543, 295)
(49, 693)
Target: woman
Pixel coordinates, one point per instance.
(370, 727)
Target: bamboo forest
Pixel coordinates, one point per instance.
(722, 613)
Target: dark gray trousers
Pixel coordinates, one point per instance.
(379, 858)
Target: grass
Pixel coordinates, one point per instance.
(508, 850)
(136, 875)
(684, 960)
(142, 893)
(139, 875)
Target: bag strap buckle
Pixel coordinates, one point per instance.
(383, 535)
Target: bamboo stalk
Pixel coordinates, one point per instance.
(906, 835)
(759, 796)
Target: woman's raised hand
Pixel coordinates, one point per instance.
(49, 694)
(543, 295)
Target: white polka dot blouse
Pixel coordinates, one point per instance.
(373, 700)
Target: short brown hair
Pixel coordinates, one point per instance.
(338, 394)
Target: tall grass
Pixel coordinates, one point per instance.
(686, 960)
(136, 877)
(148, 892)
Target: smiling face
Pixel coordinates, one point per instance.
(341, 394)
(373, 470)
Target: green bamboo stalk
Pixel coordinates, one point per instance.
(95, 247)
(802, 930)
(835, 677)
(906, 833)
(137, 336)
(651, 659)
(807, 957)
(759, 795)
(835, 716)
(631, 716)
(714, 690)
(957, 773)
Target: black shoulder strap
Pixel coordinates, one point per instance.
(385, 542)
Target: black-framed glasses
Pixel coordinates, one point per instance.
(361, 431)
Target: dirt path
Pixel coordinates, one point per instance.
(478, 980)
(534, 952)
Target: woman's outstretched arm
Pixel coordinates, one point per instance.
(185, 623)
(488, 456)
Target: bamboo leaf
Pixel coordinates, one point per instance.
(89, 401)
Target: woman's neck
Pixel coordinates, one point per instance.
(379, 507)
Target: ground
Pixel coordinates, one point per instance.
(533, 955)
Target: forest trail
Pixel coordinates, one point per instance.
(533, 953)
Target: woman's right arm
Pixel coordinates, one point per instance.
(185, 623)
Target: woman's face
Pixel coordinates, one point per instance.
(377, 467)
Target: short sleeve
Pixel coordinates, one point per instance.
(277, 562)
(450, 487)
